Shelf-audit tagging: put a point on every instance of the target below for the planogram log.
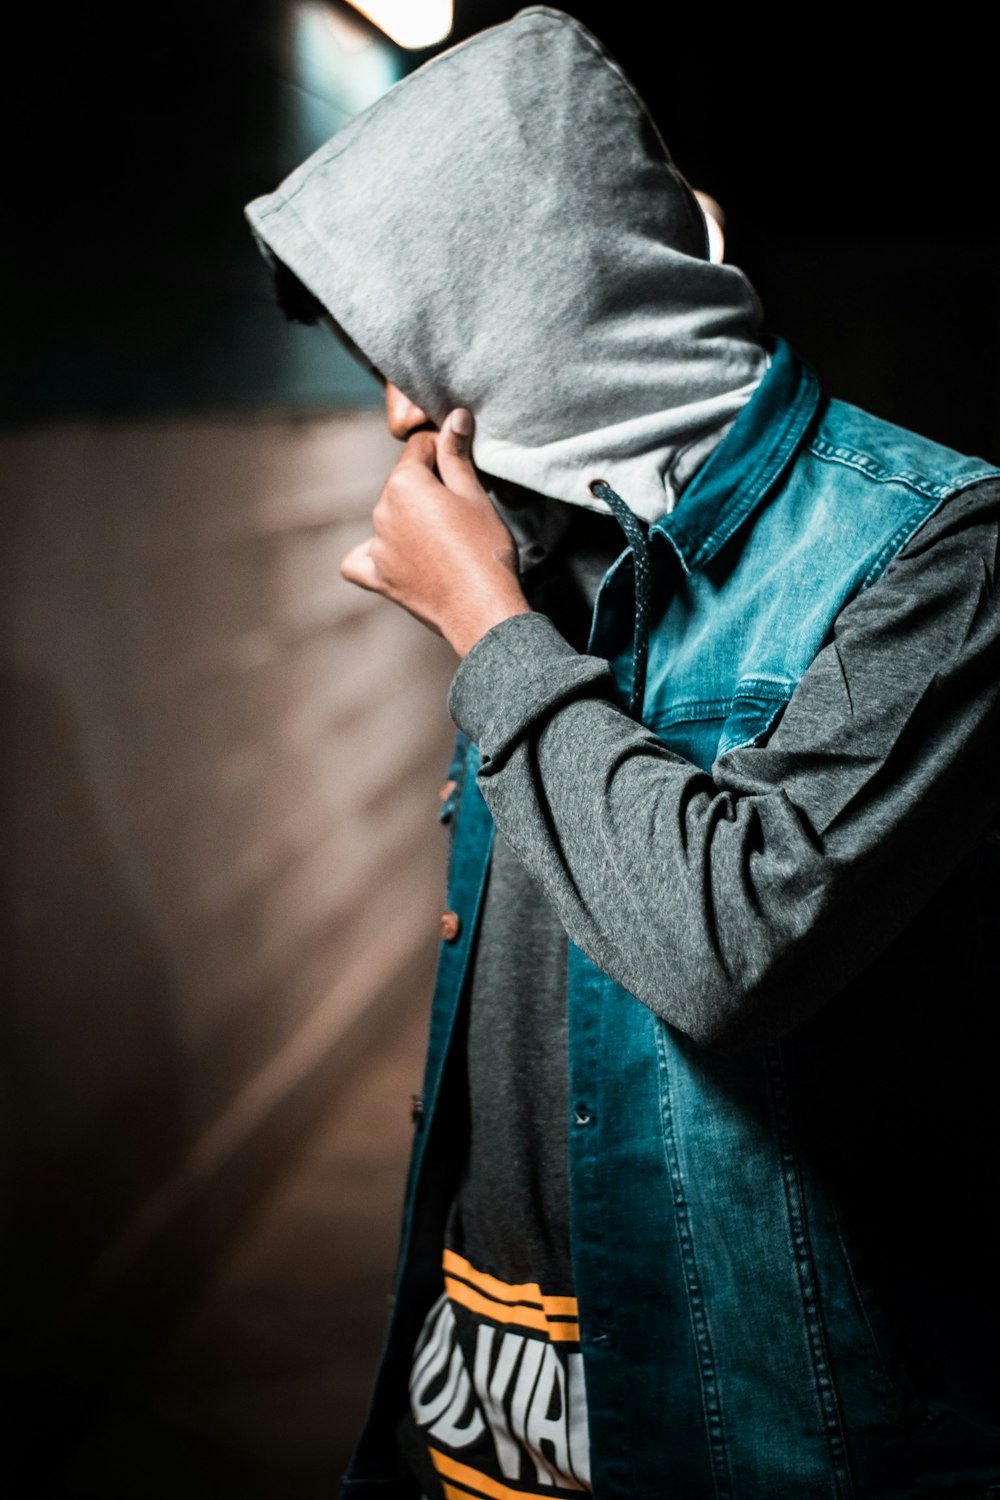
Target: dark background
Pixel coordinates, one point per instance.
(855, 164)
(855, 161)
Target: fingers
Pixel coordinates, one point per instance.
(420, 449)
(454, 454)
(449, 452)
(358, 567)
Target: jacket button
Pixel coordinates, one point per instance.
(450, 925)
(447, 790)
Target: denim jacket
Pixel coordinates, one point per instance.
(784, 1256)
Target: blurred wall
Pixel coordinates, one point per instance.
(220, 861)
(220, 849)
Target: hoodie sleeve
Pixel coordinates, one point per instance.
(734, 904)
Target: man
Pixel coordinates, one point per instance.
(702, 1201)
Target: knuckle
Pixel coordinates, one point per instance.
(396, 488)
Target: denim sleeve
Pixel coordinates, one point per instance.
(735, 904)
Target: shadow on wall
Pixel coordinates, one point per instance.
(220, 855)
(219, 852)
(92, 1093)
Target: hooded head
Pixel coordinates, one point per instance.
(504, 230)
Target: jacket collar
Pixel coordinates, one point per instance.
(747, 463)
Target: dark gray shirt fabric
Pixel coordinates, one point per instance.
(885, 743)
(732, 904)
(735, 904)
(511, 1216)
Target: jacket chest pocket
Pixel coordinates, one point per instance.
(701, 728)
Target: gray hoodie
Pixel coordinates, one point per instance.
(505, 230)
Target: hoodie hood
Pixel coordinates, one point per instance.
(504, 230)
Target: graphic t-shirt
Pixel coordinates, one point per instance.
(497, 1385)
(497, 1388)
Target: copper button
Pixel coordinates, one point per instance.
(449, 925)
(447, 790)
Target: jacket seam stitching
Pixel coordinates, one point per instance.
(759, 730)
(896, 543)
(861, 463)
(774, 465)
(689, 710)
(708, 1380)
(826, 1390)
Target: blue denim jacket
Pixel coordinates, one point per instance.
(783, 1256)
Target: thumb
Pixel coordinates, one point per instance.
(358, 567)
(454, 454)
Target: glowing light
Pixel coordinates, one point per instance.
(338, 67)
(409, 23)
(715, 224)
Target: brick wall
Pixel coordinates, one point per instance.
(220, 848)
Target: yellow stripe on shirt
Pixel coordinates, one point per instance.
(501, 1291)
(479, 1484)
(501, 1312)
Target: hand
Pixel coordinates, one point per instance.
(440, 550)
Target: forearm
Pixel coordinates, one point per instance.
(736, 903)
(643, 855)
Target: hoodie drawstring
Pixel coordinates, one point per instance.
(639, 544)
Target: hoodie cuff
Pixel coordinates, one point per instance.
(516, 674)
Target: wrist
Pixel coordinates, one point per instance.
(465, 633)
